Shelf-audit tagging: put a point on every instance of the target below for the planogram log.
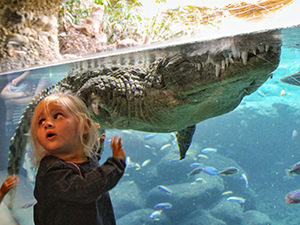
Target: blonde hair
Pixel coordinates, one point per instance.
(78, 109)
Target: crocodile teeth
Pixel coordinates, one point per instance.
(209, 60)
(261, 48)
(236, 53)
(223, 64)
(226, 62)
(244, 57)
(267, 48)
(218, 68)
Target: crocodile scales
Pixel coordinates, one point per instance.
(165, 89)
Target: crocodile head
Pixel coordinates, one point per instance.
(184, 85)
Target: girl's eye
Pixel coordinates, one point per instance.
(41, 121)
(58, 116)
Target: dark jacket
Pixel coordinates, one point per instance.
(66, 197)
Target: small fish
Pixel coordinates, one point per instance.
(295, 169)
(282, 92)
(195, 164)
(149, 136)
(147, 146)
(245, 178)
(208, 150)
(227, 192)
(146, 162)
(131, 164)
(229, 171)
(137, 166)
(203, 156)
(260, 93)
(50, 75)
(165, 189)
(165, 146)
(200, 179)
(155, 215)
(293, 197)
(173, 136)
(236, 199)
(127, 131)
(294, 134)
(195, 171)
(163, 205)
(210, 170)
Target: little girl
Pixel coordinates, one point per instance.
(71, 188)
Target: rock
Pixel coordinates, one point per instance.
(172, 169)
(230, 212)
(141, 216)
(253, 217)
(187, 197)
(201, 217)
(126, 197)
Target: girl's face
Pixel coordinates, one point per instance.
(57, 130)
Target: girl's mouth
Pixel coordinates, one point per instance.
(50, 136)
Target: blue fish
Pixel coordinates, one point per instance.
(149, 136)
(165, 189)
(195, 171)
(236, 199)
(155, 215)
(229, 171)
(208, 150)
(210, 170)
(293, 197)
(195, 164)
(163, 205)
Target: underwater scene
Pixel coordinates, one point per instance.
(238, 167)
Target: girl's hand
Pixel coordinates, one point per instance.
(117, 148)
(9, 183)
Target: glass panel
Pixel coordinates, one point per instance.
(237, 166)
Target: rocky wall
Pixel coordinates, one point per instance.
(28, 33)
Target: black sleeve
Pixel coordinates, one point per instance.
(61, 181)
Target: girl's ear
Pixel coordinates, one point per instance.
(87, 125)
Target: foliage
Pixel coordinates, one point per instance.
(74, 10)
(181, 21)
(123, 19)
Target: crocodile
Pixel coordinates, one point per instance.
(165, 88)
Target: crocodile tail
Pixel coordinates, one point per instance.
(19, 140)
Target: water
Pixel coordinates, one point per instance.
(261, 138)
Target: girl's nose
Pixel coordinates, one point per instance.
(49, 124)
